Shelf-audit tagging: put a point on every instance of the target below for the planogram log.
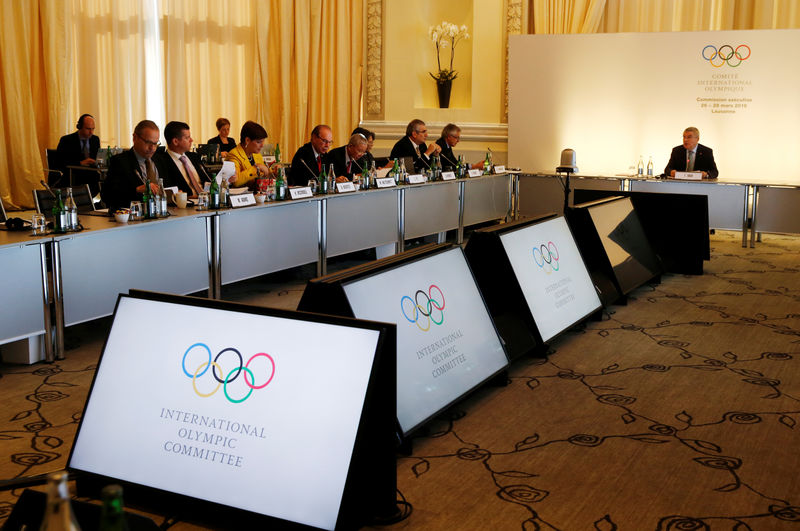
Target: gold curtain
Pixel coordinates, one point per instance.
(612, 16)
(310, 62)
(35, 64)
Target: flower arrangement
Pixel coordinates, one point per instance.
(443, 36)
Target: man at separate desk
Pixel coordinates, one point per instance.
(413, 145)
(347, 159)
(691, 156)
(80, 149)
(132, 170)
(308, 160)
(183, 167)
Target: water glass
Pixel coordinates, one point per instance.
(137, 212)
(38, 224)
(202, 201)
(312, 183)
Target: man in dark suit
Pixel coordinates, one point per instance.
(132, 170)
(183, 168)
(80, 149)
(451, 135)
(309, 159)
(348, 160)
(413, 145)
(692, 156)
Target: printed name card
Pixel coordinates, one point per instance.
(448, 175)
(386, 182)
(417, 178)
(299, 192)
(475, 173)
(689, 175)
(499, 169)
(240, 200)
(345, 187)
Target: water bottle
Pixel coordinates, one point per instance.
(650, 166)
(72, 211)
(640, 167)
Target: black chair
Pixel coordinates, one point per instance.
(83, 199)
(55, 169)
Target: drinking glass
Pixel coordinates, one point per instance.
(312, 183)
(136, 211)
(202, 201)
(38, 224)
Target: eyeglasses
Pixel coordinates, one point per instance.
(457, 137)
(149, 142)
(324, 141)
(422, 131)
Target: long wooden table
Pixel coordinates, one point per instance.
(83, 272)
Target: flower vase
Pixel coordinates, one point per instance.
(443, 86)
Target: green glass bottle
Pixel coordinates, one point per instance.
(112, 517)
(213, 194)
(395, 171)
(280, 185)
(487, 164)
(59, 214)
(277, 153)
(322, 182)
(147, 202)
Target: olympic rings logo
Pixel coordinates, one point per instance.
(225, 379)
(546, 257)
(424, 307)
(725, 54)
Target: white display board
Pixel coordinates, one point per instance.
(552, 275)
(249, 411)
(614, 97)
(446, 342)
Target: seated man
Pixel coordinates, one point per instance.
(132, 170)
(451, 135)
(183, 167)
(308, 160)
(691, 156)
(413, 145)
(80, 149)
(348, 160)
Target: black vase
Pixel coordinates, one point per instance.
(443, 86)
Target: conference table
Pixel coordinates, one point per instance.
(734, 204)
(190, 251)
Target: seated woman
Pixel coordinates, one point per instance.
(247, 156)
(225, 142)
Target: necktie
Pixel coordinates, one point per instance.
(190, 173)
(416, 148)
(85, 144)
(348, 166)
(319, 163)
(152, 176)
(690, 161)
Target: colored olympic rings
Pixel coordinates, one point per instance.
(218, 372)
(546, 257)
(424, 307)
(725, 54)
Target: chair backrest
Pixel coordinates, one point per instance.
(54, 178)
(54, 160)
(44, 199)
(209, 150)
(3, 217)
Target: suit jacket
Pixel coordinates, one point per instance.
(338, 157)
(448, 158)
(173, 175)
(119, 188)
(222, 147)
(299, 174)
(405, 148)
(70, 152)
(703, 161)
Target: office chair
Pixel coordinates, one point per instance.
(83, 199)
(54, 174)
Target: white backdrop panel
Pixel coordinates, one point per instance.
(614, 97)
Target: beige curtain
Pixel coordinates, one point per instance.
(310, 62)
(210, 67)
(612, 16)
(35, 64)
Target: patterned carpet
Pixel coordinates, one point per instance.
(679, 411)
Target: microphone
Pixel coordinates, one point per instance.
(46, 187)
(309, 169)
(448, 159)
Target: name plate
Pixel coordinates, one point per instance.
(475, 173)
(345, 187)
(299, 192)
(240, 200)
(448, 175)
(689, 175)
(417, 178)
(385, 182)
(499, 169)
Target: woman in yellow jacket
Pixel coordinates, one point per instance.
(247, 155)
